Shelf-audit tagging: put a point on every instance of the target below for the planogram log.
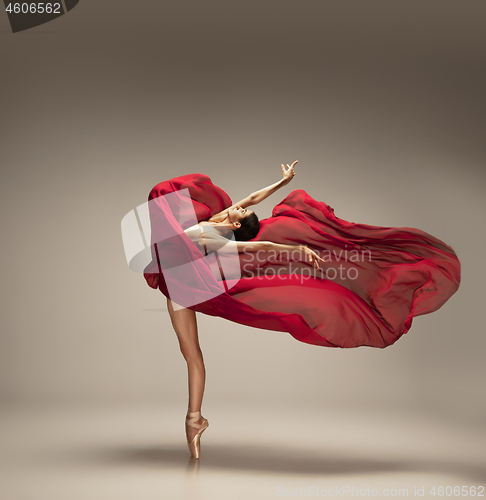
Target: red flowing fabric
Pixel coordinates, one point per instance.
(374, 280)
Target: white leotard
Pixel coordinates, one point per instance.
(198, 233)
(226, 251)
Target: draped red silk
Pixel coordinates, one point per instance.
(374, 281)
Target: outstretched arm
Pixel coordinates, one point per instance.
(215, 242)
(287, 175)
(293, 252)
(258, 196)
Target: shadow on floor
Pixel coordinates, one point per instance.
(253, 458)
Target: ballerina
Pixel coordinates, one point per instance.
(244, 223)
(387, 275)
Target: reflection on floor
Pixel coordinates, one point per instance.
(140, 453)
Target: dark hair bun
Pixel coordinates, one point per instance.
(249, 228)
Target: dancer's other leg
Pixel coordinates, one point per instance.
(185, 326)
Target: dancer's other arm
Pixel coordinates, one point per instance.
(258, 196)
(287, 175)
(293, 252)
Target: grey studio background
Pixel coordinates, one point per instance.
(383, 105)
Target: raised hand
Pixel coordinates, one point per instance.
(288, 172)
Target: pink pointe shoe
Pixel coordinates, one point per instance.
(195, 444)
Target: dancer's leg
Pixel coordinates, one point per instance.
(185, 326)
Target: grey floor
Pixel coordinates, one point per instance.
(139, 452)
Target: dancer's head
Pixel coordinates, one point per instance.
(245, 223)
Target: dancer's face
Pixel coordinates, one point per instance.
(237, 214)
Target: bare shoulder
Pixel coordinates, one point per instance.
(244, 203)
